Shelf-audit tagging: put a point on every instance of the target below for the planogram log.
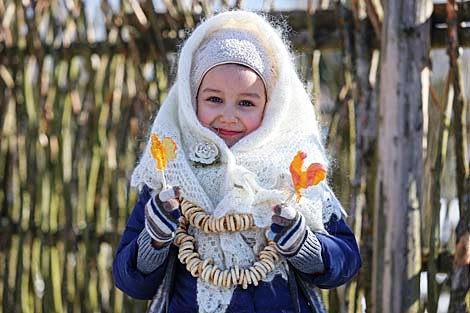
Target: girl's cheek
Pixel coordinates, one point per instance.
(204, 121)
(255, 121)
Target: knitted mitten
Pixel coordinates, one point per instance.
(288, 229)
(162, 214)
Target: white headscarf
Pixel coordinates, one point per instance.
(253, 174)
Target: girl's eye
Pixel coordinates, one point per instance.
(214, 99)
(246, 103)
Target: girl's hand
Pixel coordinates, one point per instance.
(162, 214)
(288, 229)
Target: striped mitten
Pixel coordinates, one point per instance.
(288, 229)
(162, 214)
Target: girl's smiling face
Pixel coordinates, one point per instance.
(231, 101)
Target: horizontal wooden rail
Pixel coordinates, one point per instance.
(324, 22)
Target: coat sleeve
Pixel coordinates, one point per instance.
(340, 255)
(126, 276)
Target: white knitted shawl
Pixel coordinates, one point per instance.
(252, 175)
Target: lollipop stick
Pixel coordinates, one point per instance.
(164, 180)
(291, 195)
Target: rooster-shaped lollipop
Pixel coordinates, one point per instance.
(301, 179)
(163, 152)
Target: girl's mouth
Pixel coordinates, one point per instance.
(227, 132)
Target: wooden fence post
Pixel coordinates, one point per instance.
(460, 274)
(405, 46)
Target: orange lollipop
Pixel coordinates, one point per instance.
(314, 174)
(163, 152)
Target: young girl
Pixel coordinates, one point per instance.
(238, 114)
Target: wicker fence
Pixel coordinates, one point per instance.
(73, 117)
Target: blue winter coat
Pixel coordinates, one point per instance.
(339, 252)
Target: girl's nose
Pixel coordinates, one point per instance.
(228, 116)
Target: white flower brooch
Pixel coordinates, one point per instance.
(204, 153)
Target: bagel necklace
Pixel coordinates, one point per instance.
(205, 269)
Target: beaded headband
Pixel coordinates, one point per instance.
(230, 47)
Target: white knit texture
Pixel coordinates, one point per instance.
(251, 176)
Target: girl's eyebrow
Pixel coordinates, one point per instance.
(208, 89)
(251, 94)
(246, 94)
